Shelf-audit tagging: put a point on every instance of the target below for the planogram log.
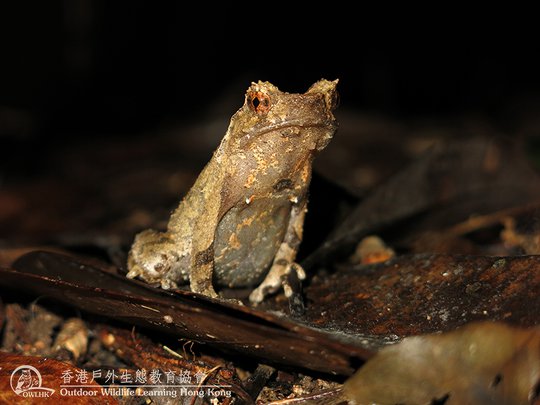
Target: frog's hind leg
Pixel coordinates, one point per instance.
(154, 258)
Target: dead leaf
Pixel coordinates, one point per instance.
(443, 188)
(255, 333)
(137, 350)
(418, 294)
(482, 363)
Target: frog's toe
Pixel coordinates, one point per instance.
(167, 284)
(271, 284)
(300, 272)
(257, 295)
(134, 271)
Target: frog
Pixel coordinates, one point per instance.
(241, 223)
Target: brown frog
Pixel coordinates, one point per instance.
(241, 222)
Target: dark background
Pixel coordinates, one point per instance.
(81, 68)
(109, 109)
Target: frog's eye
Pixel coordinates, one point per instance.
(258, 102)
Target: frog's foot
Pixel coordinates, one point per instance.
(152, 258)
(143, 260)
(277, 277)
(150, 277)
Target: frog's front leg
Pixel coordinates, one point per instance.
(283, 262)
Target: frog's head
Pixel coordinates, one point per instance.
(269, 112)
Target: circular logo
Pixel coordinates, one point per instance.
(25, 379)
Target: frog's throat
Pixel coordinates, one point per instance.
(330, 125)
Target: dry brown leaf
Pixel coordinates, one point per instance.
(482, 363)
(249, 331)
